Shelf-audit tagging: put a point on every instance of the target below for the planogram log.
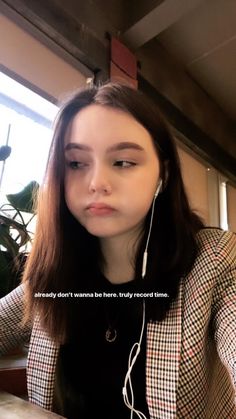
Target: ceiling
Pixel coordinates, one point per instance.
(201, 35)
(186, 51)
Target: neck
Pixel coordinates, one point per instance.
(119, 254)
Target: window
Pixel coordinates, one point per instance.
(26, 126)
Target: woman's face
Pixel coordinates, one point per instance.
(112, 171)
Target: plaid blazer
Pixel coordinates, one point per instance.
(191, 355)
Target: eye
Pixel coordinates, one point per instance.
(124, 163)
(76, 165)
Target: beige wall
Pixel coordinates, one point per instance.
(31, 60)
(196, 183)
(231, 202)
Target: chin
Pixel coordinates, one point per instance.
(108, 229)
(102, 233)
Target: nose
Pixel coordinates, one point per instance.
(99, 181)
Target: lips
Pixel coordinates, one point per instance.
(98, 208)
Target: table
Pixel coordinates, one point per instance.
(13, 372)
(12, 407)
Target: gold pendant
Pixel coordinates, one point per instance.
(111, 335)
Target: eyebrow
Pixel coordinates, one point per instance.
(124, 145)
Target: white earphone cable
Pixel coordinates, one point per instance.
(145, 255)
(127, 381)
(137, 345)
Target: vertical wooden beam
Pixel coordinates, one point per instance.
(123, 63)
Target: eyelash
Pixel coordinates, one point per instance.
(123, 164)
(75, 165)
(129, 164)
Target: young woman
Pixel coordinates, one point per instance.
(129, 302)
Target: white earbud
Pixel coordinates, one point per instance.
(158, 188)
(145, 254)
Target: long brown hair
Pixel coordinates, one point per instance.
(64, 255)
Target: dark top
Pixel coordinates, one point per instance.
(91, 369)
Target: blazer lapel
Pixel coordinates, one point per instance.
(162, 364)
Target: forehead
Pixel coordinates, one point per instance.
(98, 124)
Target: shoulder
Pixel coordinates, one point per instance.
(12, 331)
(12, 308)
(214, 269)
(217, 244)
(14, 300)
(215, 264)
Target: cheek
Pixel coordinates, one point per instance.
(145, 206)
(71, 184)
(143, 196)
(139, 203)
(145, 189)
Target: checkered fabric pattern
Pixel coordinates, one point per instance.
(191, 355)
(12, 334)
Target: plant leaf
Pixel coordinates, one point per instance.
(24, 200)
(21, 229)
(7, 241)
(5, 152)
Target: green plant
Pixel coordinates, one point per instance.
(15, 236)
